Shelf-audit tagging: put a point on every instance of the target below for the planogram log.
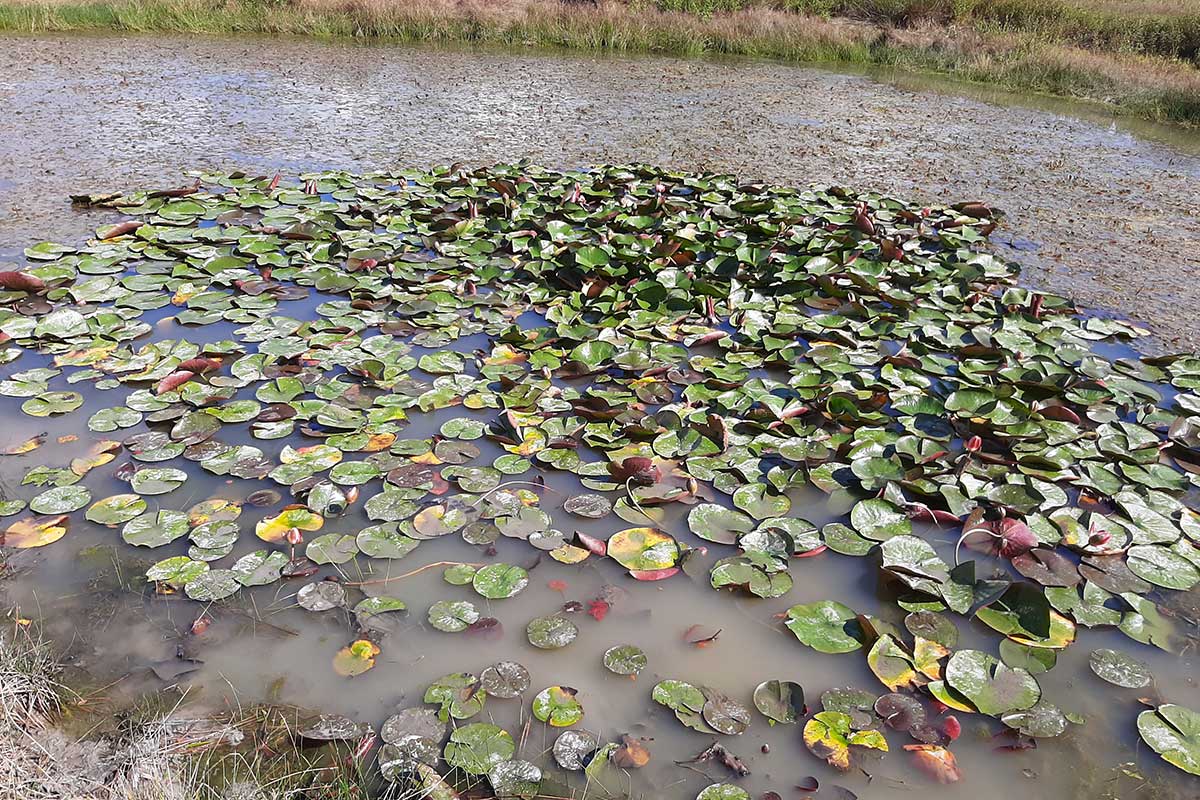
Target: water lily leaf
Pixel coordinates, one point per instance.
(478, 747)
(1145, 623)
(572, 748)
(331, 548)
(592, 506)
(384, 541)
(216, 584)
(10, 507)
(1119, 669)
(757, 501)
(826, 626)
(459, 694)
(1159, 565)
(829, 736)
(48, 404)
(259, 568)
(452, 616)
(110, 419)
(992, 687)
(780, 701)
(855, 703)
(515, 780)
(879, 520)
(725, 714)
(355, 658)
(891, 664)
(377, 613)
(505, 679)
(723, 791)
(154, 530)
(558, 705)
(551, 633)
(718, 524)
(643, 549)
(625, 659)
(498, 581)
(1173, 732)
(34, 532)
(273, 529)
(1043, 720)
(153, 480)
(321, 596)
(176, 571)
(61, 500)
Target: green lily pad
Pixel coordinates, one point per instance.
(826, 626)
(61, 500)
(1173, 732)
(558, 706)
(551, 633)
(452, 616)
(498, 581)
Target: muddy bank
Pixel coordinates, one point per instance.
(1094, 211)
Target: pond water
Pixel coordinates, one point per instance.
(90, 585)
(1094, 211)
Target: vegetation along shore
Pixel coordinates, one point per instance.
(1139, 57)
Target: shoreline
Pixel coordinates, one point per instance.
(1137, 84)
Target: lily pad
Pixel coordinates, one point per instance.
(826, 626)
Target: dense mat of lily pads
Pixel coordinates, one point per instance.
(668, 339)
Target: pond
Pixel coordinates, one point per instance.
(663, 459)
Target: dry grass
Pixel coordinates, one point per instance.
(1142, 63)
(161, 751)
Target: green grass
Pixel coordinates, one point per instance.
(1137, 57)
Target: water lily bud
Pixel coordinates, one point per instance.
(1099, 538)
(294, 536)
(974, 444)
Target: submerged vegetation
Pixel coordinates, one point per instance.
(1139, 57)
(697, 358)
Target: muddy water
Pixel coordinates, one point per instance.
(89, 587)
(1098, 209)
(1091, 207)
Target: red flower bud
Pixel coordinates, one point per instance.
(974, 444)
(294, 536)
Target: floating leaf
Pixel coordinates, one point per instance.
(780, 701)
(505, 679)
(625, 659)
(176, 571)
(1173, 732)
(452, 616)
(216, 584)
(498, 581)
(826, 626)
(558, 706)
(992, 687)
(61, 500)
(1119, 669)
(643, 549)
(477, 748)
(829, 735)
(551, 633)
(356, 658)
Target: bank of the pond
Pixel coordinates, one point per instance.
(1139, 61)
(67, 734)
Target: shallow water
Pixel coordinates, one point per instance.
(265, 648)
(300, 105)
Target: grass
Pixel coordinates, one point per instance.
(157, 750)
(1139, 57)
